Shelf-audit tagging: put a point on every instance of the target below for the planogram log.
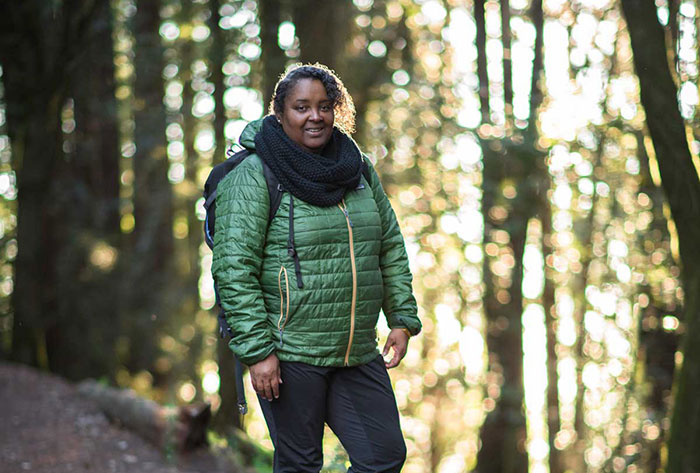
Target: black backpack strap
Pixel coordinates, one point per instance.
(210, 200)
(240, 389)
(274, 189)
(365, 171)
(224, 332)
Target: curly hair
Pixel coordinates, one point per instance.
(343, 106)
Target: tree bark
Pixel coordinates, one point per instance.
(152, 239)
(39, 47)
(536, 93)
(682, 188)
(272, 57)
(217, 57)
(88, 220)
(481, 67)
(548, 303)
(507, 62)
(322, 28)
(504, 433)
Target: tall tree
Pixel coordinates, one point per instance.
(41, 51)
(35, 93)
(513, 181)
(681, 184)
(227, 415)
(481, 66)
(88, 221)
(507, 62)
(152, 239)
(322, 28)
(272, 57)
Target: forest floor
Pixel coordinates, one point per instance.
(46, 427)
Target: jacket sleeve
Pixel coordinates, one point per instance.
(242, 206)
(399, 305)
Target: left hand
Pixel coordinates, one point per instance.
(398, 339)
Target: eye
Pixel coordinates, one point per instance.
(326, 108)
(300, 108)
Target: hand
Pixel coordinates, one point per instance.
(266, 377)
(398, 339)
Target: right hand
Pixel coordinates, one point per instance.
(266, 377)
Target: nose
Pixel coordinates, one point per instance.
(315, 114)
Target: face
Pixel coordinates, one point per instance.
(308, 116)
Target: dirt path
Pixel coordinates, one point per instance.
(45, 427)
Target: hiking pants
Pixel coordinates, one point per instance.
(356, 402)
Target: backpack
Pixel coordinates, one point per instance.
(275, 191)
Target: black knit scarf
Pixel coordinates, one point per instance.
(320, 180)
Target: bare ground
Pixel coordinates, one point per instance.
(46, 427)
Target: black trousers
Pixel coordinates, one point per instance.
(357, 403)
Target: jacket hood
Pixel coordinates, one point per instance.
(247, 139)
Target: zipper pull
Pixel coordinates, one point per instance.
(281, 340)
(344, 208)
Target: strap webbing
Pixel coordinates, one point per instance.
(240, 390)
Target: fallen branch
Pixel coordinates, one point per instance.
(180, 428)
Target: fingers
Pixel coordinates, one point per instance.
(397, 340)
(389, 343)
(266, 378)
(267, 387)
(399, 353)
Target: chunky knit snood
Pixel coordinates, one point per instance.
(320, 180)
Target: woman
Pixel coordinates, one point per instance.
(303, 293)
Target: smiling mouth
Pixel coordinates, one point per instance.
(314, 130)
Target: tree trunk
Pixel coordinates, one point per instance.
(38, 47)
(682, 187)
(227, 415)
(217, 57)
(507, 62)
(272, 57)
(322, 28)
(518, 163)
(548, 303)
(481, 67)
(536, 94)
(88, 222)
(504, 433)
(152, 238)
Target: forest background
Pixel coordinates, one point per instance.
(542, 157)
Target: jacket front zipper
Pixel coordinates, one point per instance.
(353, 304)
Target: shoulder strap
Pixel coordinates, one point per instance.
(274, 189)
(365, 170)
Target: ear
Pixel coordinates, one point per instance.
(278, 116)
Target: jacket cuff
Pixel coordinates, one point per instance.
(249, 358)
(411, 324)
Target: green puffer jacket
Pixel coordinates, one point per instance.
(352, 266)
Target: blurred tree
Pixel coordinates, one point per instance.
(150, 261)
(272, 57)
(88, 219)
(680, 181)
(35, 90)
(658, 346)
(227, 415)
(514, 178)
(65, 232)
(323, 29)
